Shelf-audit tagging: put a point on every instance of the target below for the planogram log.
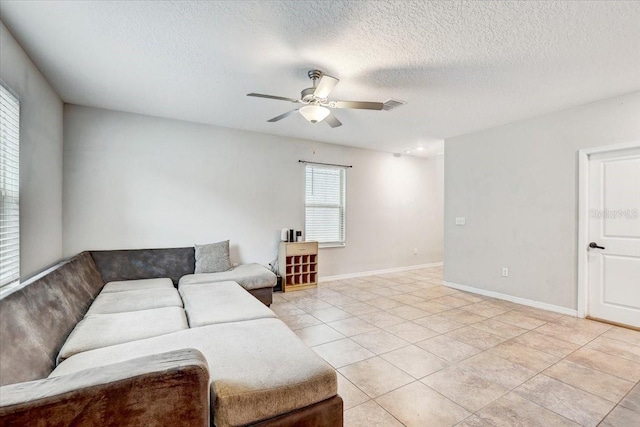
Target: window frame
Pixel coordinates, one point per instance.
(14, 279)
(342, 206)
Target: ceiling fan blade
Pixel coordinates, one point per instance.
(333, 121)
(325, 86)
(279, 98)
(282, 116)
(357, 105)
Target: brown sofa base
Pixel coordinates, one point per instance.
(327, 413)
(265, 295)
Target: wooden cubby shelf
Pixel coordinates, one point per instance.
(298, 265)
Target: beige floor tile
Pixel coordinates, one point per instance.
(406, 298)
(363, 296)
(623, 334)
(498, 328)
(431, 307)
(615, 347)
(595, 382)
(448, 348)
(622, 368)
(439, 323)
(570, 402)
(452, 301)
(379, 341)
(318, 334)
(621, 417)
(475, 337)
(583, 325)
(546, 343)
(566, 333)
(330, 314)
(513, 410)
(464, 388)
(408, 312)
(485, 309)
(382, 319)
(497, 370)
(351, 395)
(411, 332)
(285, 308)
(387, 292)
(340, 300)
(520, 320)
(524, 356)
(375, 376)
(407, 288)
(426, 294)
(384, 303)
(311, 304)
(299, 321)
(352, 326)
(632, 400)
(469, 297)
(369, 414)
(415, 361)
(537, 313)
(359, 308)
(463, 316)
(342, 352)
(418, 405)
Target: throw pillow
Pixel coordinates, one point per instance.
(213, 258)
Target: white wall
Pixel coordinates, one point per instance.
(135, 181)
(517, 187)
(40, 157)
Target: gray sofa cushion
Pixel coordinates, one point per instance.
(144, 299)
(221, 302)
(249, 276)
(264, 370)
(137, 285)
(103, 330)
(213, 258)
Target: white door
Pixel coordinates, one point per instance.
(614, 236)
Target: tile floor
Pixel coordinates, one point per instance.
(409, 351)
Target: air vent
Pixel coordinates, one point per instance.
(391, 104)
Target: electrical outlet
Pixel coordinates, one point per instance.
(461, 220)
(505, 272)
(415, 251)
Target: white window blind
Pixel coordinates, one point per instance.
(325, 201)
(9, 188)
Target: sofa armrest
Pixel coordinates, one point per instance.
(164, 389)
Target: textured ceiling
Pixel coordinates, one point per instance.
(461, 66)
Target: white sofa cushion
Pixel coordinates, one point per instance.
(103, 330)
(249, 276)
(144, 299)
(137, 285)
(259, 368)
(221, 302)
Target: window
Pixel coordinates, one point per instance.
(9, 188)
(325, 196)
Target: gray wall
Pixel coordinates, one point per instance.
(517, 187)
(135, 181)
(40, 157)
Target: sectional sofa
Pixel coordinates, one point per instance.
(155, 345)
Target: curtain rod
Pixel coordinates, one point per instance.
(324, 164)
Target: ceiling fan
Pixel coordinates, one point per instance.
(316, 104)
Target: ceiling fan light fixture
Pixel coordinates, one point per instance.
(314, 113)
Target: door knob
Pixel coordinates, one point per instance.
(594, 245)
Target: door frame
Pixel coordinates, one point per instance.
(583, 217)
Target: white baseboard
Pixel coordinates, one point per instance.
(511, 298)
(374, 272)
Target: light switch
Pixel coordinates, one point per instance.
(461, 220)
